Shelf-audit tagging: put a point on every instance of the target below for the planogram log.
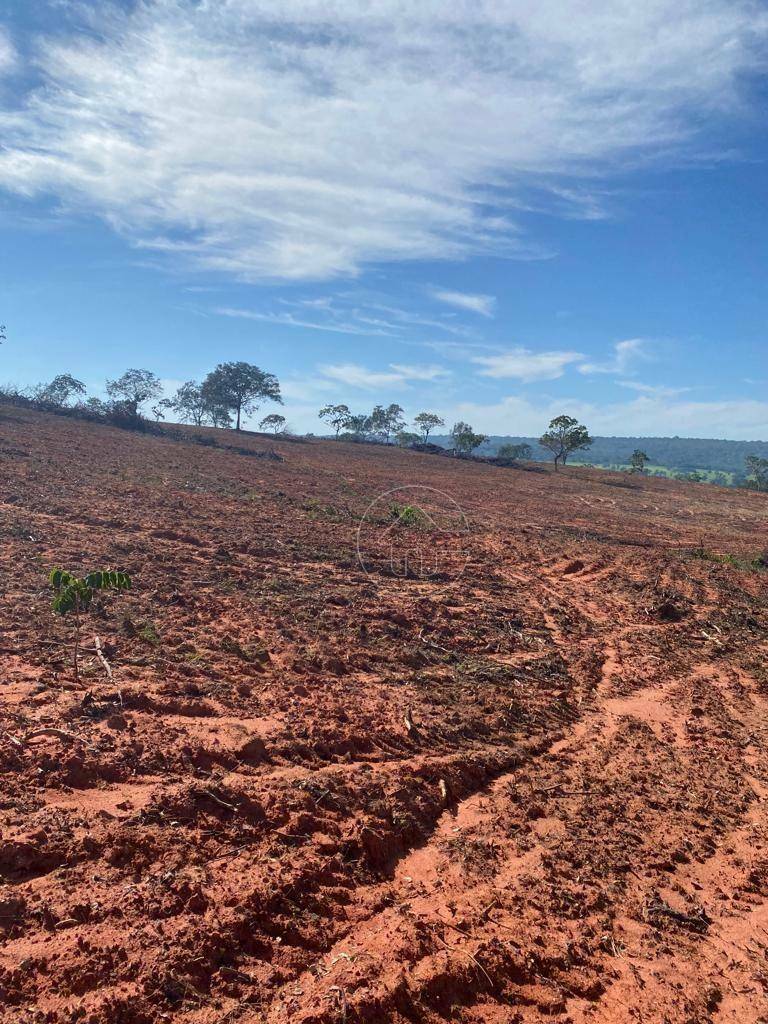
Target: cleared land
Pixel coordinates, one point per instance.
(309, 794)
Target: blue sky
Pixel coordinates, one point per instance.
(496, 211)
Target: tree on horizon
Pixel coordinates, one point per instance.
(241, 388)
(564, 436)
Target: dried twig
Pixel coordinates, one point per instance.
(458, 949)
(50, 731)
(217, 799)
(100, 656)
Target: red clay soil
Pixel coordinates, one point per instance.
(534, 790)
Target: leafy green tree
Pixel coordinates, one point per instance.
(757, 470)
(514, 452)
(336, 415)
(426, 422)
(274, 422)
(134, 388)
(637, 461)
(59, 391)
(220, 416)
(189, 403)
(564, 436)
(405, 438)
(95, 407)
(240, 388)
(465, 440)
(376, 421)
(359, 426)
(73, 596)
(386, 420)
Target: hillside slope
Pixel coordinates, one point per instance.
(533, 786)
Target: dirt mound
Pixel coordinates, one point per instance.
(529, 787)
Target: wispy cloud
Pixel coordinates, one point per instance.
(653, 390)
(357, 376)
(624, 352)
(305, 389)
(289, 320)
(457, 350)
(408, 318)
(293, 139)
(482, 304)
(525, 365)
(349, 314)
(8, 57)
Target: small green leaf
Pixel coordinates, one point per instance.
(60, 578)
(108, 579)
(65, 601)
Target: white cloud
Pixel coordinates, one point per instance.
(357, 376)
(8, 58)
(170, 386)
(482, 304)
(295, 139)
(289, 320)
(301, 389)
(522, 364)
(655, 390)
(410, 319)
(624, 352)
(345, 314)
(738, 419)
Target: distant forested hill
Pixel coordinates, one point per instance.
(683, 454)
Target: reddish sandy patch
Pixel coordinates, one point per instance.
(313, 794)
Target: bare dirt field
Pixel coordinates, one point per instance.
(532, 790)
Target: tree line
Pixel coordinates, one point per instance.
(233, 390)
(236, 389)
(227, 393)
(564, 436)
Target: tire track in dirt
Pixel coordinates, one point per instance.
(362, 974)
(249, 831)
(463, 962)
(352, 971)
